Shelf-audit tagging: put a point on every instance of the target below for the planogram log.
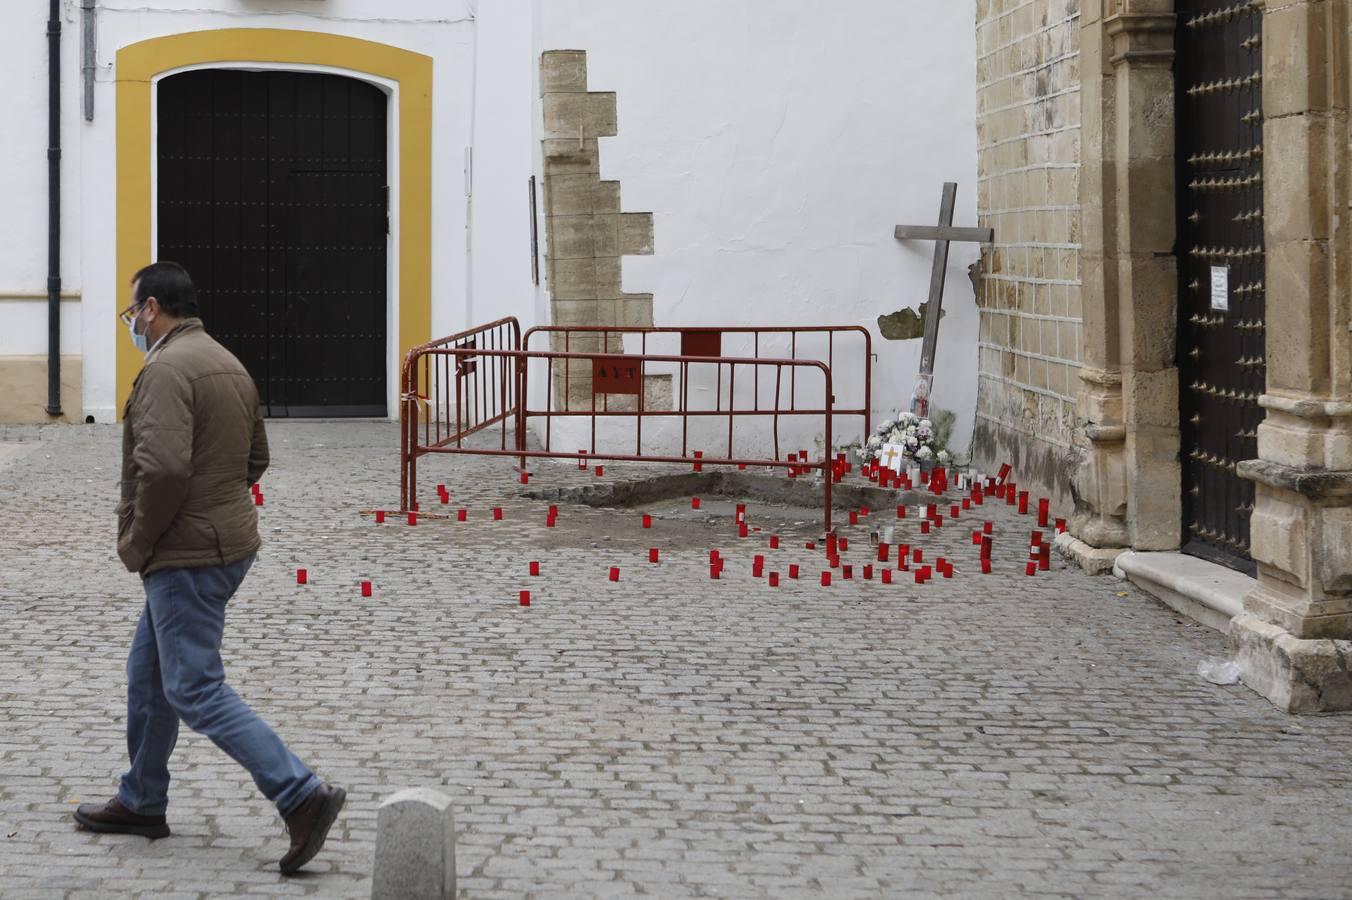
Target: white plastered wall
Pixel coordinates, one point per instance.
(778, 143)
(23, 182)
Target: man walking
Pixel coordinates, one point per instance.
(193, 443)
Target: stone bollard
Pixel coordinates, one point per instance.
(415, 847)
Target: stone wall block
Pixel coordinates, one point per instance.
(570, 195)
(1333, 550)
(1146, 216)
(1297, 344)
(1145, 124)
(574, 312)
(1295, 60)
(567, 157)
(606, 199)
(1155, 509)
(635, 311)
(571, 237)
(1297, 676)
(1288, 440)
(1279, 538)
(636, 234)
(573, 279)
(607, 271)
(579, 116)
(1296, 184)
(605, 235)
(1152, 400)
(563, 71)
(1149, 288)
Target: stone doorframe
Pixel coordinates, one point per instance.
(1294, 640)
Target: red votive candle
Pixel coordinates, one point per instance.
(534, 567)
(525, 598)
(302, 577)
(614, 573)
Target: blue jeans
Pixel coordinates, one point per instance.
(174, 671)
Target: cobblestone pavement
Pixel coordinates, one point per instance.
(666, 735)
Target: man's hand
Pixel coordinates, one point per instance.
(134, 557)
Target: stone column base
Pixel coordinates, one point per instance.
(1297, 675)
(1094, 560)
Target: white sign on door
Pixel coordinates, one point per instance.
(1220, 288)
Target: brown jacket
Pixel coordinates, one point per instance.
(192, 444)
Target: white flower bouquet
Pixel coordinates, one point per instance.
(914, 435)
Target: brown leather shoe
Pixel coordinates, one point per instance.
(309, 825)
(114, 818)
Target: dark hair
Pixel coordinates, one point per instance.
(170, 284)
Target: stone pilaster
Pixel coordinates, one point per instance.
(1100, 479)
(1294, 641)
(586, 233)
(1142, 52)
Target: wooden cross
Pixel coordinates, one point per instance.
(941, 235)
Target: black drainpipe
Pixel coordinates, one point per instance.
(54, 210)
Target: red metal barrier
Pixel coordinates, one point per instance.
(707, 341)
(464, 384)
(447, 410)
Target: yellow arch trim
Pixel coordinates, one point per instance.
(139, 64)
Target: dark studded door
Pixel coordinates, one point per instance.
(272, 192)
(1221, 267)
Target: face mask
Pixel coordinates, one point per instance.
(139, 340)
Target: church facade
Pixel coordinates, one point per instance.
(1165, 339)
